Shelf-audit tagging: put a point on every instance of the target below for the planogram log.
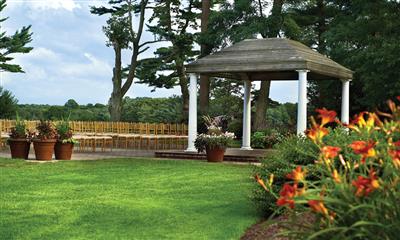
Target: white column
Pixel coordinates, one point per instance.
(246, 116)
(302, 102)
(345, 101)
(192, 113)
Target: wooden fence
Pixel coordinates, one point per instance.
(93, 135)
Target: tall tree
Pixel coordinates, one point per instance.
(361, 35)
(122, 35)
(204, 50)
(13, 44)
(247, 19)
(175, 22)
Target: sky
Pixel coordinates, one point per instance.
(70, 59)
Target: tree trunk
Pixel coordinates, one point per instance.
(183, 83)
(260, 122)
(262, 101)
(204, 79)
(115, 102)
(115, 107)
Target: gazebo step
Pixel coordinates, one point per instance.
(233, 155)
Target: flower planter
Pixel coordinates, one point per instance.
(19, 148)
(215, 154)
(63, 151)
(44, 149)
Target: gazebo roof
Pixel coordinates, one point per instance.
(268, 59)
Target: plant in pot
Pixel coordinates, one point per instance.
(214, 142)
(65, 143)
(44, 140)
(19, 140)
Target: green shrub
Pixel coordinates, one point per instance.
(267, 138)
(258, 140)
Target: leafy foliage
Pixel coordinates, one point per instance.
(64, 132)
(46, 130)
(267, 138)
(20, 130)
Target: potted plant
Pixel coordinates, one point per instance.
(214, 142)
(44, 140)
(65, 142)
(19, 140)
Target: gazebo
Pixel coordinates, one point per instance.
(267, 59)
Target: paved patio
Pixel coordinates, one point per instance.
(233, 155)
(115, 153)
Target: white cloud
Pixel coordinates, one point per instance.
(41, 53)
(68, 5)
(94, 68)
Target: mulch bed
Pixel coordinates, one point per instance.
(270, 229)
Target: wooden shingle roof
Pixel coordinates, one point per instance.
(268, 59)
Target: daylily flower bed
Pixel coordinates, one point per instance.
(356, 195)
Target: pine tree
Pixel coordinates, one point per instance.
(13, 44)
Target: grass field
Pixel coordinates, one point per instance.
(124, 199)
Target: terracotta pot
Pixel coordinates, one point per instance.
(63, 151)
(19, 148)
(44, 149)
(215, 154)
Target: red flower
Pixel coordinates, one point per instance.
(287, 195)
(366, 185)
(365, 149)
(330, 152)
(326, 116)
(297, 175)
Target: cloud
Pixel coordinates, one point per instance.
(94, 68)
(68, 5)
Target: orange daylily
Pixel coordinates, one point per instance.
(359, 121)
(336, 176)
(395, 155)
(366, 185)
(318, 206)
(317, 133)
(297, 175)
(365, 149)
(261, 182)
(326, 116)
(330, 152)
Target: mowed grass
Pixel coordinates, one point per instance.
(124, 199)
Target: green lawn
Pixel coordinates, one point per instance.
(124, 199)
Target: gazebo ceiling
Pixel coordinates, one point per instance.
(268, 59)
